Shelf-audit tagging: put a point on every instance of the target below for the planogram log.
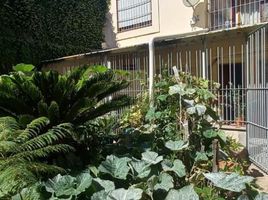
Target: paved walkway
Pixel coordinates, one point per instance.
(261, 177)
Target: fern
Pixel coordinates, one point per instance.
(21, 155)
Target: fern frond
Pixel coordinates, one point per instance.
(114, 104)
(43, 152)
(44, 169)
(8, 123)
(6, 146)
(15, 178)
(33, 129)
(53, 135)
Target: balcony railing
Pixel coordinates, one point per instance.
(224, 14)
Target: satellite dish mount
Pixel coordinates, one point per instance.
(192, 3)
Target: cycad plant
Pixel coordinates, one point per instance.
(76, 97)
(24, 153)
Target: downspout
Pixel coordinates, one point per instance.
(152, 52)
(151, 70)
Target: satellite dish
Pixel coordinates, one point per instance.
(190, 3)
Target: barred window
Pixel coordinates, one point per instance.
(133, 14)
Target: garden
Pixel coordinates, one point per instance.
(61, 137)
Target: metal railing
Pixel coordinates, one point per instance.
(257, 97)
(224, 14)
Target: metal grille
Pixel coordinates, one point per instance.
(257, 98)
(133, 14)
(232, 13)
(221, 61)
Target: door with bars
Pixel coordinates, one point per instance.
(257, 97)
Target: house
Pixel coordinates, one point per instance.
(221, 40)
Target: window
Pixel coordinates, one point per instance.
(133, 14)
(232, 13)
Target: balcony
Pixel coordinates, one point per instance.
(225, 14)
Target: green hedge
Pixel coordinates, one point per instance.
(35, 30)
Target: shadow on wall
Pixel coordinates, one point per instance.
(201, 11)
(109, 33)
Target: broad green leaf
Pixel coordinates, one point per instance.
(162, 97)
(261, 196)
(243, 197)
(116, 167)
(151, 157)
(141, 167)
(185, 193)
(222, 135)
(190, 91)
(177, 89)
(61, 185)
(150, 114)
(200, 109)
(122, 194)
(31, 193)
(211, 133)
(105, 184)
(23, 67)
(83, 181)
(176, 145)
(101, 195)
(201, 157)
(191, 110)
(166, 182)
(232, 182)
(177, 166)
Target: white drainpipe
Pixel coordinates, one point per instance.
(151, 56)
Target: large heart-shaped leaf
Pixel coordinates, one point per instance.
(177, 89)
(211, 133)
(116, 167)
(142, 168)
(198, 109)
(101, 195)
(176, 145)
(200, 157)
(261, 196)
(151, 157)
(122, 194)
(232, 182)
(83, 181)
(166, 182)
(104, 184)
(61, 185)
(177, 166)
(185, 193)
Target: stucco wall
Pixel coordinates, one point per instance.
(169, 17)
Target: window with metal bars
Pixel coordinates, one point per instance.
(232, 13)
(133, 14)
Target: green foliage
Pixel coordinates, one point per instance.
(32, 31)
(22, 152)
(155, 156)
(232, 182)
(76, 97)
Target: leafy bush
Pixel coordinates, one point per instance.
(22, 152)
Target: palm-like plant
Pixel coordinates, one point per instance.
(23, 152)
(76, 97)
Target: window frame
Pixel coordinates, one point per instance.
(137, 25)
